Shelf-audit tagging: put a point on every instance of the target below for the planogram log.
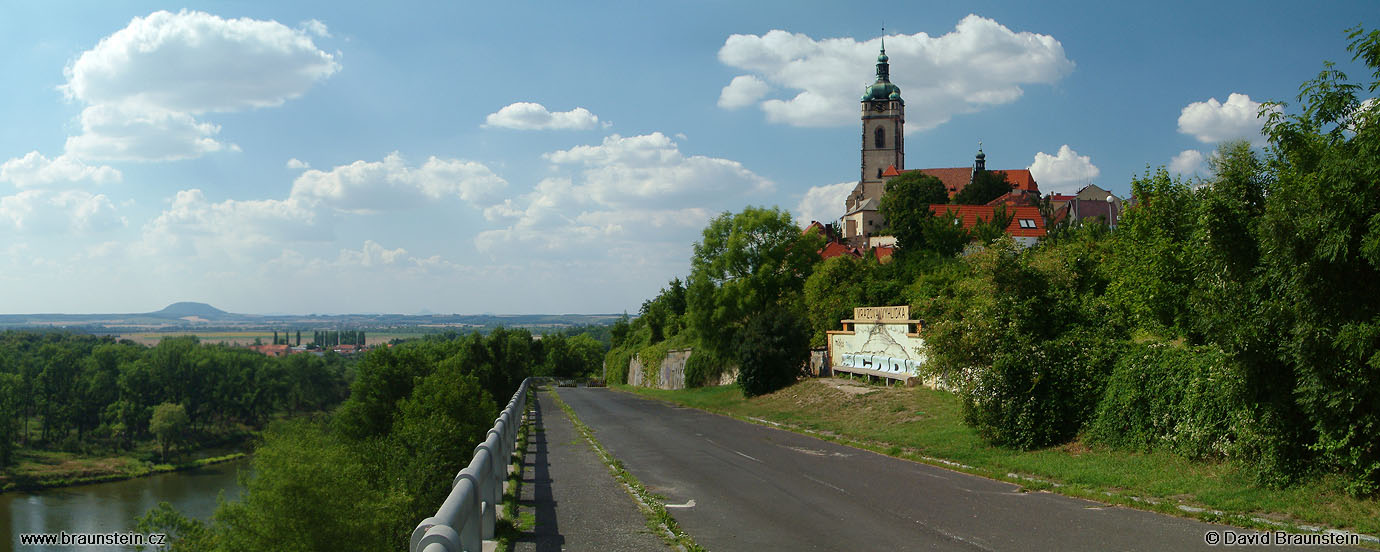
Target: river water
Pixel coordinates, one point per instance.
(107, 507)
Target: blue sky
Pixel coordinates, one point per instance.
(529, 157)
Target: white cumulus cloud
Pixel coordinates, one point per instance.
(315, 27)
(978, 64)
(625, 194)
(297, 164)
(193, 226)
(1212, 121)
(146, 83)
(823, 203)
(369, 186)
(46, 211)
(1188, 162)
(650, 169)
(138, 134)
(742, 91)
(534, 116)
(372, 254)
(36, 170)
(1064, 172)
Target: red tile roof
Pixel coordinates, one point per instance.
(891, 171)
(970, 214)
(1016, 197)
(883, 251)
(954, 179)
(822, 229)
(1020, 179)
(834, 249)
(957, 178)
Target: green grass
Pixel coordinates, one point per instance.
(926, 425)
(60, 469)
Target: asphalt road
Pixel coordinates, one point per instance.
(574, 502)
(733, 485)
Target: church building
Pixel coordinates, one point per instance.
(884, 156)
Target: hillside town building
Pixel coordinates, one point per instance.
(884, 157)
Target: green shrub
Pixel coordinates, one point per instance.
(1038, 394)
(703, 368)
(616, 363)
(772, 351)
(1183, 399)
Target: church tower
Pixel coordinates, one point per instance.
(883, 124)
(883, 146)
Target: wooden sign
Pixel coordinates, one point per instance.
(882, 314)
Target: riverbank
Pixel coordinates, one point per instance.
(66, 469)
(926, 426)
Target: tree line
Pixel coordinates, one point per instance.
(91, 394)
(1231, 317)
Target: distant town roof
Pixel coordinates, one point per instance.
(1026, 221)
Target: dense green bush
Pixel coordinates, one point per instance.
(703, 368)
(616, 363)
(1039, 394)
(771, 351)
(1188, 400)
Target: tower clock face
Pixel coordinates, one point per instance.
(878, 106)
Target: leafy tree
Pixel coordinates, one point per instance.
(11, 408)
(654, 313)
(620, 331)
(906, 206)
(772, 350)
(310, 490)
(1151, 273)
(944, 234)
(1320, 251)
(674, 297)
(169, 422)
(994, 228)
(985, 186)
(746, 264)
(831, 292)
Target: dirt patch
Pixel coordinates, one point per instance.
(1075, 448)
(846, 386)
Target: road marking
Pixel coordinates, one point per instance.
(711, 441)
(690, 504)
(746, 456)
(826, 484)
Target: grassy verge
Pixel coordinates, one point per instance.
(652, 506)
(83, 471)
(926, 426)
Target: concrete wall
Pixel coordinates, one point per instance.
(819, 363)
(671, 373)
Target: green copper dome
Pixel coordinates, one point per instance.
(882, 89)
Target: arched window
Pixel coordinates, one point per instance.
(879, 138)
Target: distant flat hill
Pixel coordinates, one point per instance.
(184, 309)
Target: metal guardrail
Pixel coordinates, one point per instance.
(467, 515)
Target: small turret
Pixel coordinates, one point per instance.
(981, 162)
